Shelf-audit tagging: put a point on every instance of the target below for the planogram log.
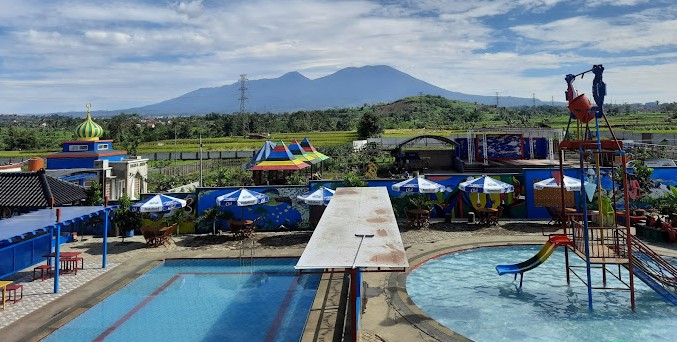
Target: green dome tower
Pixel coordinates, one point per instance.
(88, 130)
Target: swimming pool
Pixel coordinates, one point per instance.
(260, 299)
(463, 292)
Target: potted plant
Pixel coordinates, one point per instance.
(213, 217)
(125, 220)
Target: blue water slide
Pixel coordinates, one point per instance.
(669, 296)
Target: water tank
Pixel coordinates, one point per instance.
(35, 164)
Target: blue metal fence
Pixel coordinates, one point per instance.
(18, 256)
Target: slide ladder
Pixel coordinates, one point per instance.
(653, 270)
(546, 251)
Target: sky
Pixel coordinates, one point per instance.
(56, 56)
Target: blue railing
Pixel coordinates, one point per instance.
(20, 255)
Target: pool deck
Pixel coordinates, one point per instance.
(390, 315)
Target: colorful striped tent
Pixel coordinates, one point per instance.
(299, 153)
(309, 148)
(280, 159)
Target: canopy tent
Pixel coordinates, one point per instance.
(309, 148)
(299, 153)
(280, 159)
(261, 154)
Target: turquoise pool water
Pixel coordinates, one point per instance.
(202, 300)
(463, 292)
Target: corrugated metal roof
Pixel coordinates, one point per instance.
(35, 190)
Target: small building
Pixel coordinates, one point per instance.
(89, 159)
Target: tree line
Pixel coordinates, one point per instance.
(417, 112)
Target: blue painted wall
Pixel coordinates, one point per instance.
(285, 209)
(76, 163)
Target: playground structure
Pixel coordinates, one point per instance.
(596, 236)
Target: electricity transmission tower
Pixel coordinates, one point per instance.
(243, 98)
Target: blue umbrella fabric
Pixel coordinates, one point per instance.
(242, 198)
(320, 196)
(157, 203)
(420, 185)
(486, 185)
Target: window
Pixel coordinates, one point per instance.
(102, 146)
(78, 148)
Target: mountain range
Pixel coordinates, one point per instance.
(349, 87)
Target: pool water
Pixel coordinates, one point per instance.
(463, 292)
(202, 300)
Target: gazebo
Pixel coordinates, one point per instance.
(307, 157)
(279, 159)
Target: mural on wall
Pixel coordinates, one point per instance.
(283, 211)
(500, 146)
(663, 190)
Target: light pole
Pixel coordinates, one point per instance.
(200, 158)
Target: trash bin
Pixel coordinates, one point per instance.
(471, 217)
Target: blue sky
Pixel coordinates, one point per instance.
(59, 55)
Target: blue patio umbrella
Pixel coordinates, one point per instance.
(241, 198)
(320, 196)
(420, 185)
(486, 185)
(157, 203)
(570, 183)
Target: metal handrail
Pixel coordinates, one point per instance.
(663, 271)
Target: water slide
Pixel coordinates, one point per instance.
(546, 251)
(654, 271)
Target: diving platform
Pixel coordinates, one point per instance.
(357, 233)
(358, 229)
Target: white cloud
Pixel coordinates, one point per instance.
(589, 33)
(132, 53)
(192, 9)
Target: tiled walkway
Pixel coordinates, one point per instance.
(38, 293)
